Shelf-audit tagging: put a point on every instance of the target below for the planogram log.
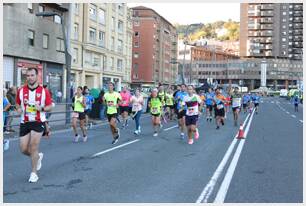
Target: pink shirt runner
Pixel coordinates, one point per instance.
(125, 99)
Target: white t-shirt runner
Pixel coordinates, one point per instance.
(192, 103)
(136, 103)
(236, 102)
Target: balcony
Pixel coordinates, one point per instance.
(267, 7)
(268, 53)
(266, 26)
(298, 14)
(298, 26)
(298, 32)
(266, 13)
(251, 33)
(298, 20)
(252, 13)
(298, 38)
(298, 45)
(266, 33)
(268, 40)
(268, 47)
(298, 7)
(266, 20)
(254, 26)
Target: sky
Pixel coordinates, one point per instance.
(188, 13)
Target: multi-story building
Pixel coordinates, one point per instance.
(280, 73)
(154, 48)
(203, 53)
(33, 41)
(271, 30)
(101, 36)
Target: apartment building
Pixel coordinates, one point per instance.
(271, 30)
(154, 49)
(33, 41)
(101, 35)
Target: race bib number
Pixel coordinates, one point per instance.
(31, 109)
(191, 111)
(135, 107)
(123, 102)
(110, 104)
(220, 106)
(154, 109)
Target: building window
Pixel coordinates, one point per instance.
(114, 7)
(104, 62)
(135, 71)
(92, 35)
(136, 44)
(88, 58)
(113, 43)
(30, 7)
(96, 61)
(101, 38)
(120, 8)
(120, 26)
(136, 55)
(41, 8)
(76, 8)
(93, 12)
(284, 13)
(113, 23)
(120, 46)
(119, 64)
(136, 34)
(136, 23)
(57, 19)
(101, 16)
(31, 36)
(76, 31)
(112, 62)
(45, 41)
(75, 55)
(60, 46)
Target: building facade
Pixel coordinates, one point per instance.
(32, 41)
(271, 30)
(101, 38)
(154, 49)
(281, 73)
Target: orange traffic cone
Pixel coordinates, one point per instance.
(241, 132)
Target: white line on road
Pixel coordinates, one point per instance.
(301, 121)
(272, 102)
(230, 172)
(293, 116)
(287, 112)
(204, 196)
(170, 128)
(111, 149)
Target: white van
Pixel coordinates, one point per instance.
(283, 93)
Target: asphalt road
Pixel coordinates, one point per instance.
(165, 169)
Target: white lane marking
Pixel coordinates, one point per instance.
(293, 116)
(272, 102)
(205, 194)
(113, 148)
(301, 121)
(230, 172)
(170, 128)
(287, 112)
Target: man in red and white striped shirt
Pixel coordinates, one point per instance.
(32, 102)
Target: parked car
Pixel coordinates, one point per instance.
(283, 93)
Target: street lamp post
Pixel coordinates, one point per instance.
(185, 45)
(67, 61)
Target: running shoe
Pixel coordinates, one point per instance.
(218, 127)
(160, 126)
(41, 155)
(76, 138)
(136, 132)
(182, 136)
(155, 134)
(6, 145)
(33, 177)
(115, 141)
(222, 121)
(196, 135)
(139, 130)
(118, 133)
(190, 141)
(85, 139)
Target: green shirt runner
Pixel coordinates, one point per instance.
(156, 105)
(111, 100)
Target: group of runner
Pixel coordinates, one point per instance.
(184, 104)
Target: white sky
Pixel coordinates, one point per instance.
(187, 13)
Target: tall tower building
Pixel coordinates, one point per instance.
(271, 30)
